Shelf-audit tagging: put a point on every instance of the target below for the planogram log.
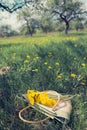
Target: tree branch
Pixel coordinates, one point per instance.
(15, 6)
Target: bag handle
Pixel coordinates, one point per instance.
(29, 121)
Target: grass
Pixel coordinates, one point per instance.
(41, 38)
(52, 61)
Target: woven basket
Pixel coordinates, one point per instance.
(61, 109)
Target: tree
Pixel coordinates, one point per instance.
(79, 26)
(45, 23)
(13, 5)
(66, 11)
(30, 20)
(6, 31)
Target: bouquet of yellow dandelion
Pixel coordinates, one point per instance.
(51, 103)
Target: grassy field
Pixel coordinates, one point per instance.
(49, 61)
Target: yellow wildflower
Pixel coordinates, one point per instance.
(31, 96)
(73, 75)
(28, 56)
(83, 65)
(59, 76)
(40, 97)
(31, 93)
(36, 58)
(50, 102)
(57, 63)
(45, 100)
(31, 100)
(49, 67)
(26, 61)
(75, 58)
(45, 63)
(36, 70)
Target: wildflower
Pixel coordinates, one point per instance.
(28, 56)
(73, 75)
(31, 100)
(59, 76)
(45, 63)
(31, 96)
(26, 61)
(49, 67)
(57, 63)
(36, 58)
(75, 58)
(35, 70)
(83, 65)
(41, 98)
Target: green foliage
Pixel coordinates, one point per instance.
(79, 26)
(66, 11)
(60, 66)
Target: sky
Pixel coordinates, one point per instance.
(11, 18)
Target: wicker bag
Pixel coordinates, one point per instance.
(60, 111)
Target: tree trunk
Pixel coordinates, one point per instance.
(66, 23)
(67, 27)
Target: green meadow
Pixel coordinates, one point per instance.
(43, 62)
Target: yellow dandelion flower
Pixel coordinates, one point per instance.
(28, 56)
(83, 65)
(30, 98)
(31, 101)
(59, 76)
(26, 61)
(36, 70)
(45, 63)
(31, 95)
(73, 75)
(49, 67)
(75, 58)
(45, 100)
(36, 58)
(57, 63)
(50, 102)
(41, 98)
